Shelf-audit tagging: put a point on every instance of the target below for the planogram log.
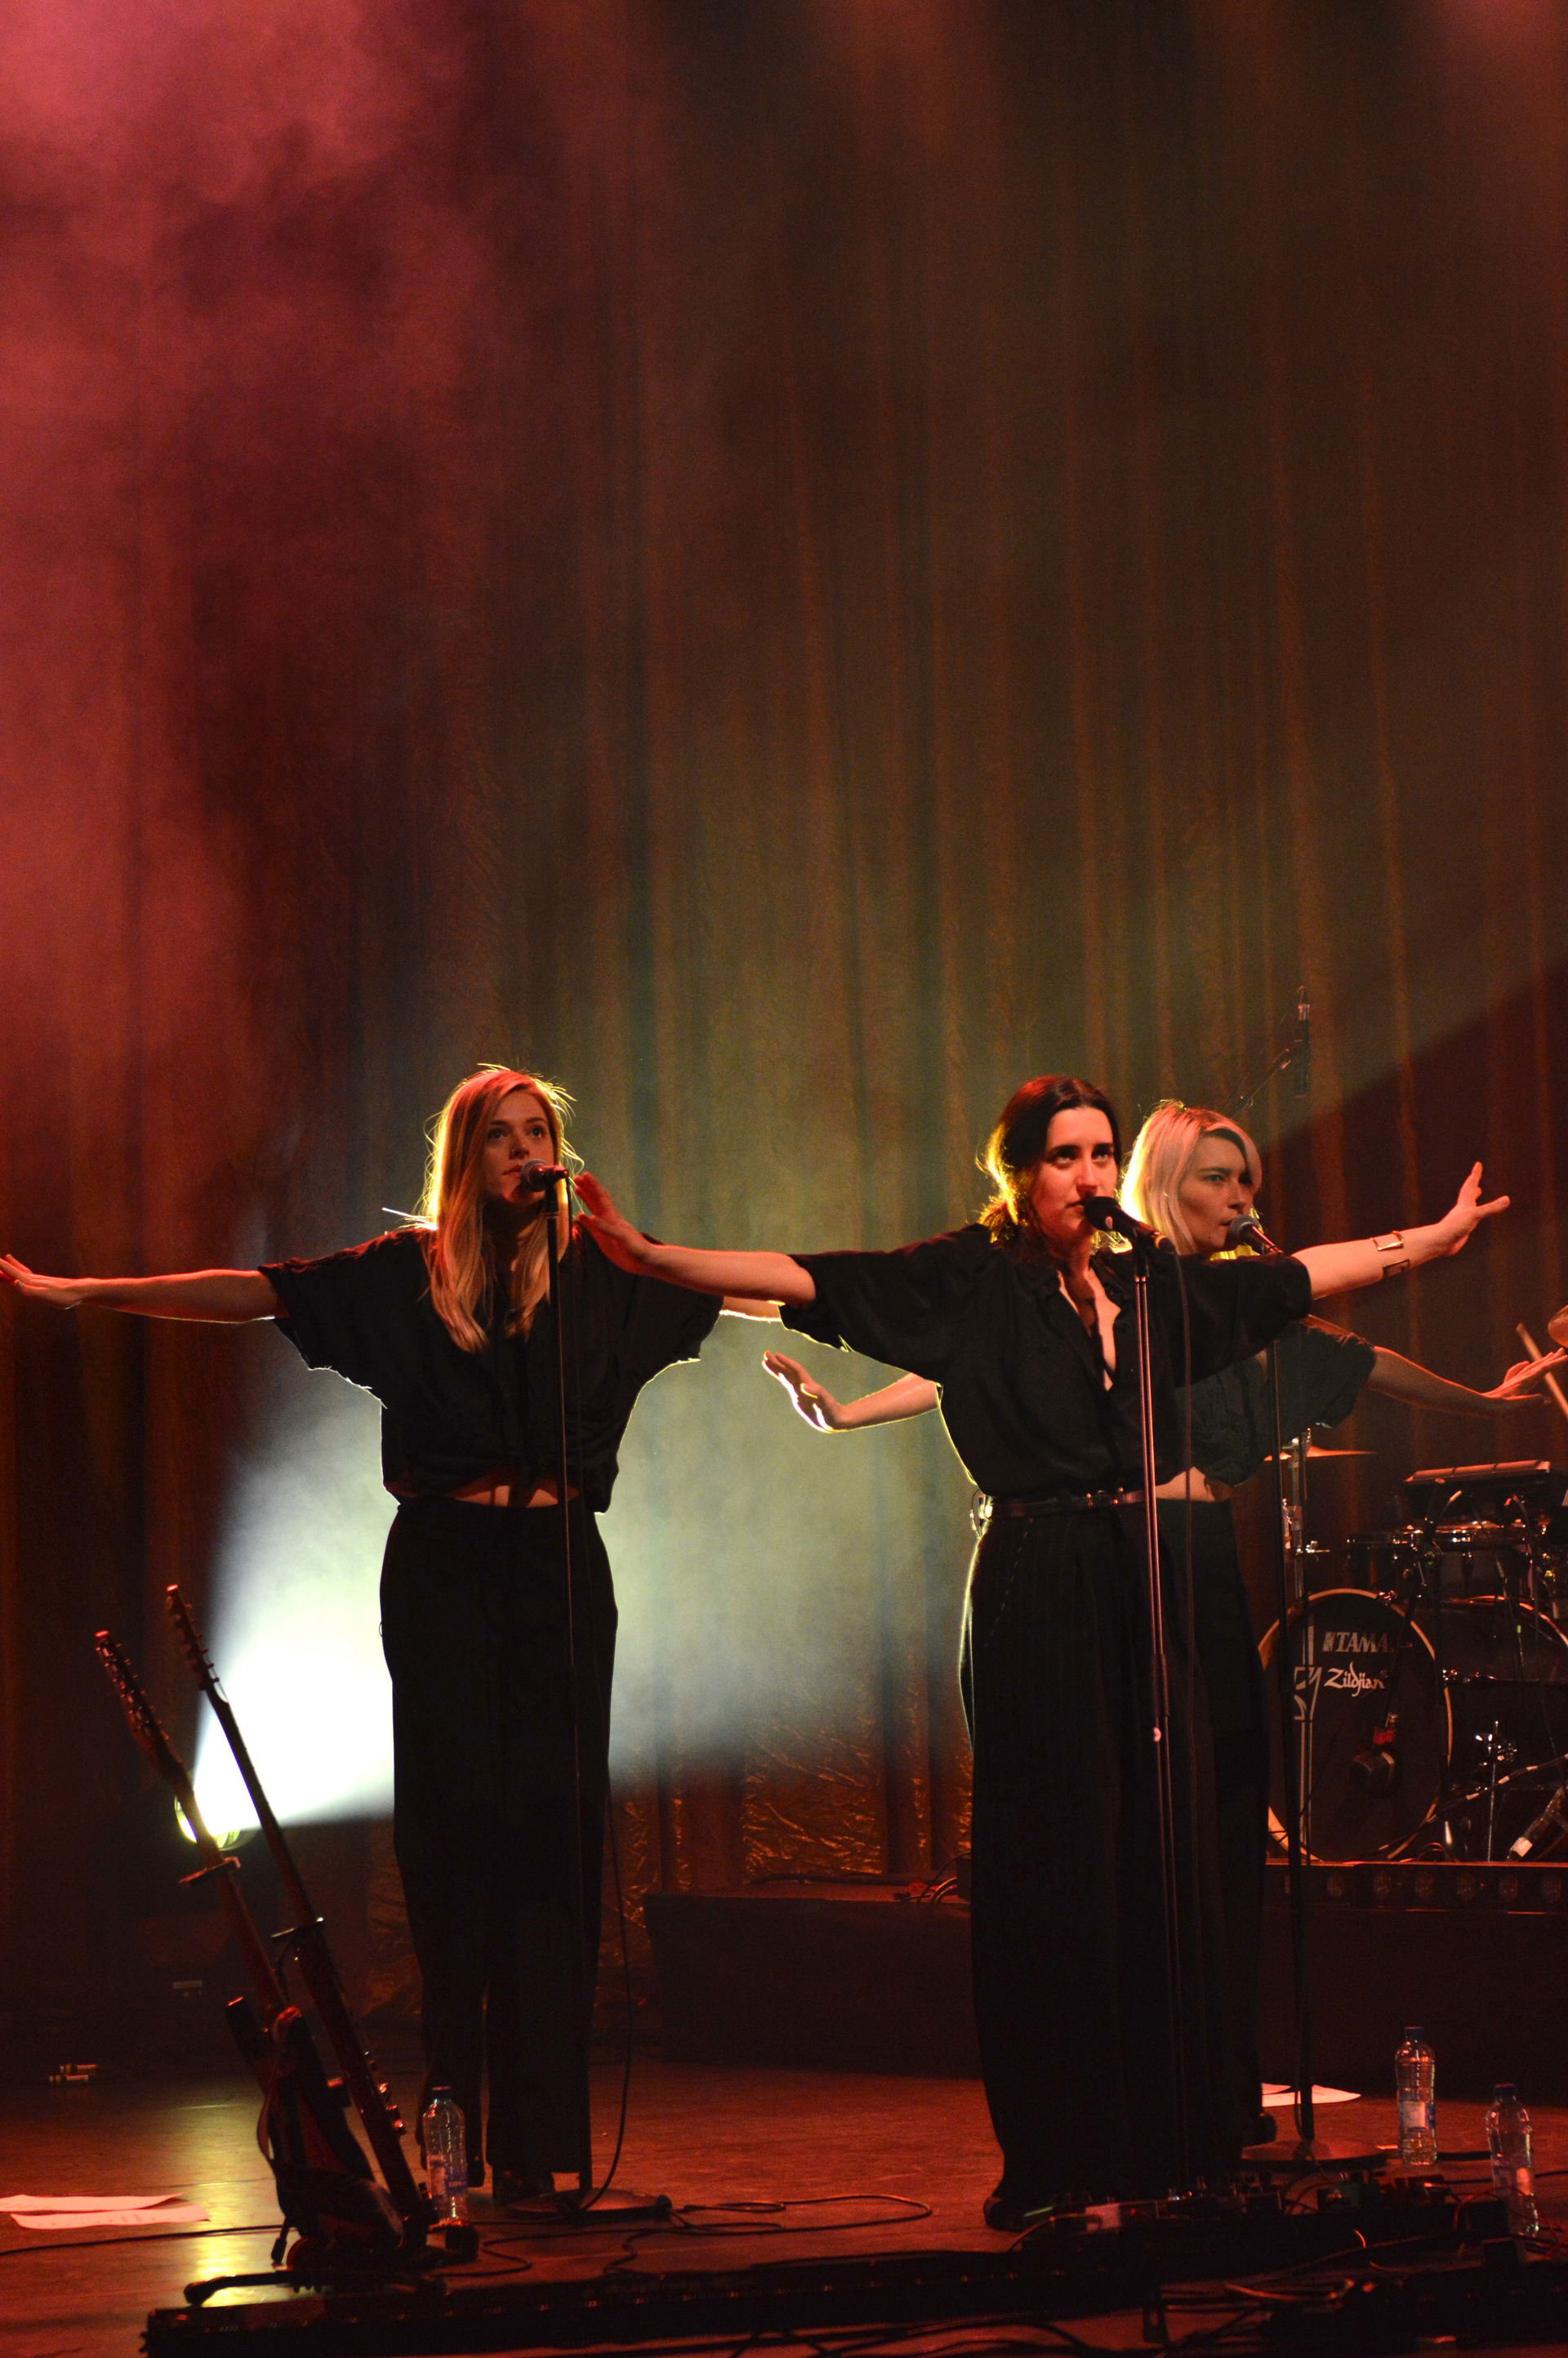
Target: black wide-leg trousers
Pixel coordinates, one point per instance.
(1073, 1998)
(1226, 1649)
(474, 1632)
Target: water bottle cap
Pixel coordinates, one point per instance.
(437, 2093)
(1505, 2088)
(1415, 2030)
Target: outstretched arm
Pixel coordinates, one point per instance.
(910, 1396)
(757, 1276)
(1344, 1269)
(230, 1297)
(1406, 1379)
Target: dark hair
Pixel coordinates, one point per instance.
(1017, 1146)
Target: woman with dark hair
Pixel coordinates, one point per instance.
(1025, 1323)
(446, 1322)
(1191, 1172)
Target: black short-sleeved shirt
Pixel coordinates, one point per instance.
(449, 1415)
(1023, 1392)
(1322, 1372)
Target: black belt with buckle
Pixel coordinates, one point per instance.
(1065, 1502)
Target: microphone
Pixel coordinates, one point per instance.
(534, 1177)
(1105, 1213)
(1553, 1814)
(1303, 1042)
(1247, 1229)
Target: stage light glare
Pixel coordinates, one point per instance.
(294, 1624)
(230, 1841)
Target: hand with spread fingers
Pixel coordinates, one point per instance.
(1515, 1386)
(1455, 1231)
(612, 1231)
(816, 1405)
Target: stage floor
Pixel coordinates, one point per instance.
(836, 2144)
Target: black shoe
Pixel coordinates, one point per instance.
(522, 2186)
(1008, 2210)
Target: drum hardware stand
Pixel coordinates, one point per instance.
(1425, 1591)
(1308, 2150)
(1428, 1558)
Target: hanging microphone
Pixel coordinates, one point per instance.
(1105, 1213)
(1303, 1042)
(1247, 1229)
(534, 1177)
(1553, 1814)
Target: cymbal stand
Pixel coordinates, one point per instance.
(1308, 2150)
(1291, 1461)
(1424, 1594)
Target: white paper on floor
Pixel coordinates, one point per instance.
(102, 2211)
(1276, 2097)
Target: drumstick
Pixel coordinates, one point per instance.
(1552, 1386)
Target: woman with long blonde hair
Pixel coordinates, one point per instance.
(446, 1320)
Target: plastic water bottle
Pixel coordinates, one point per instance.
(1415, 2082)
(447, 2159)
(1513, 2177)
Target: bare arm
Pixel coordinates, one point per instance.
(1345, 1269)
(756, 1276)
(910, 1396)
(229, 1297)
(1406, 1379)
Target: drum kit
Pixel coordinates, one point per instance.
(1431, 1687)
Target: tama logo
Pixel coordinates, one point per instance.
(1354, 1641)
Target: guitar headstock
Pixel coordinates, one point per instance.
(192, 1644)
(142, 1719)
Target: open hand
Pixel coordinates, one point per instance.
(59, 1292)
(1523, 1373)
(626, 1246)
(1453, 1232)
(820, 1410)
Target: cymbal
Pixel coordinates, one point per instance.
(1557, 1325)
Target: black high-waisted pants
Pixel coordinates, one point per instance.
(1234, 1685)
(1072, 1996)
(473, 1628)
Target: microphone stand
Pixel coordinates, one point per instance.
(586, 2204)
(1144, 1247)
(577, 1865)
(1104, 1213)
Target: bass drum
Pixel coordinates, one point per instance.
(1368, 1724)
(1371, 1728)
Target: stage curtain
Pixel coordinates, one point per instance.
(790, 563)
